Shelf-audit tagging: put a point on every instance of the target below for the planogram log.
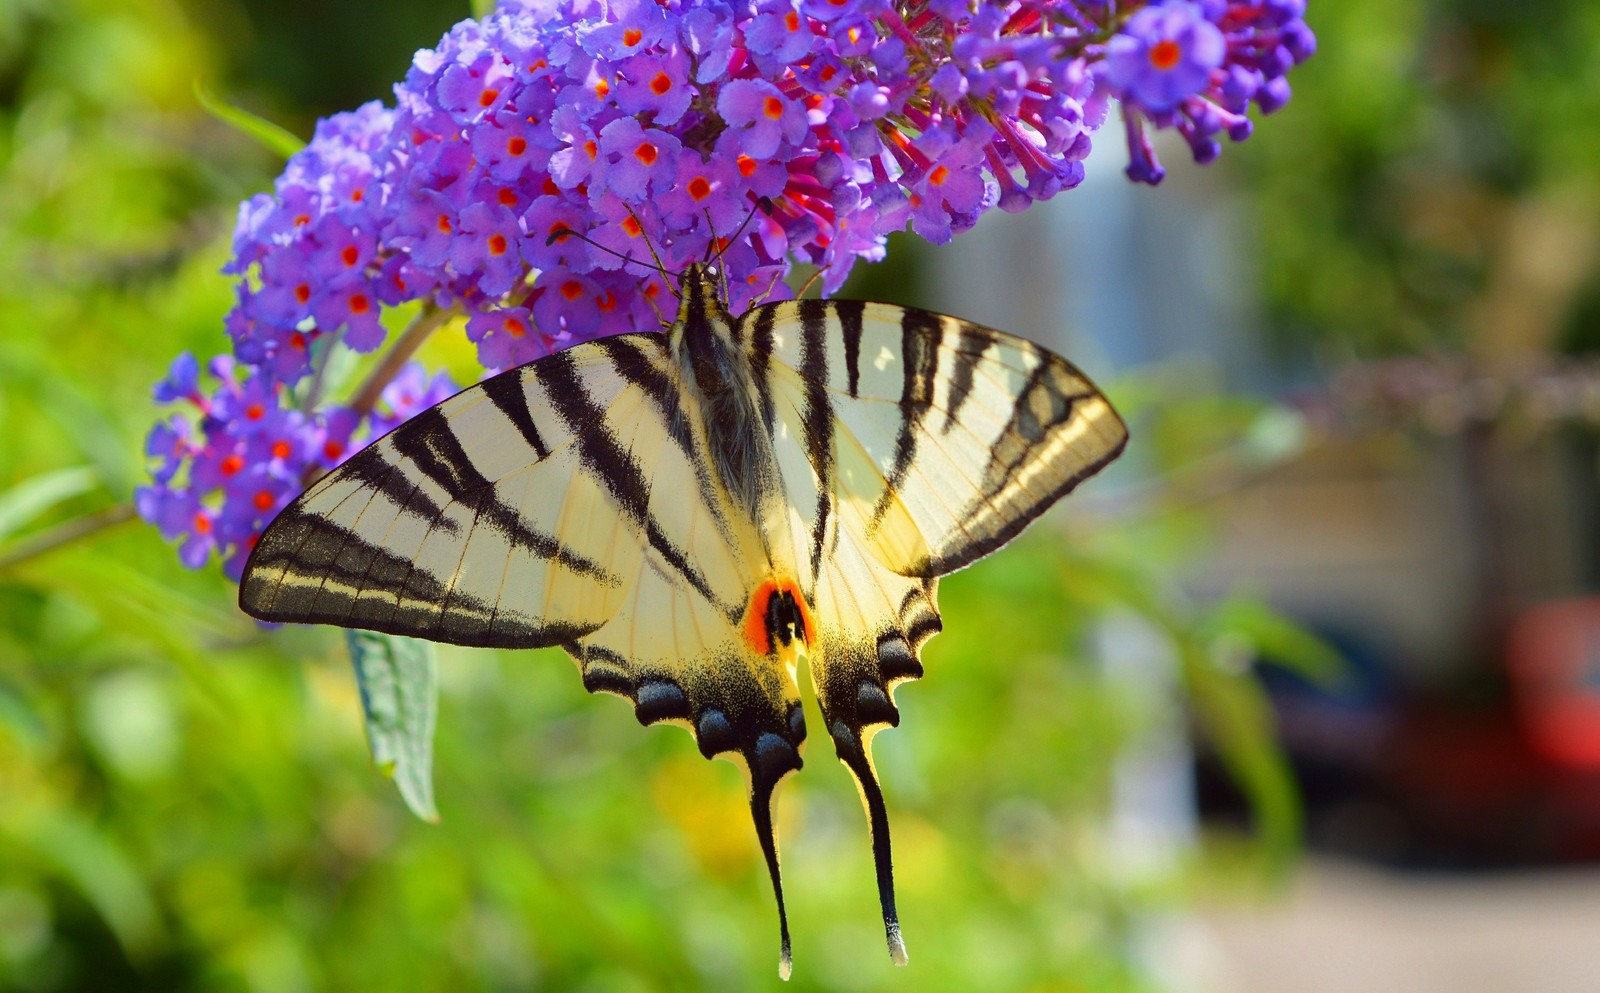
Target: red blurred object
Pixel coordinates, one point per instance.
(1553, 660)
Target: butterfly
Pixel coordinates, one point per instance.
(688, 513)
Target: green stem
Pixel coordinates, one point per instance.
(65, 532)
(425, 324)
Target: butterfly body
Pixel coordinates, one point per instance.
(689, 513)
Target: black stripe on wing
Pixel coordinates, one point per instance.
(817, 417)
(920, 336)
(509, 394)
(430, 443)
(616, 468)
(972, 342)
(327, 569)
(1047, 402)
(633, 361)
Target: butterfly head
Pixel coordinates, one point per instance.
(700, 296)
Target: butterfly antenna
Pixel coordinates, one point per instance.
(563, 233)
(763, 204)
(809, 283)
(721, 245)
(660, 266)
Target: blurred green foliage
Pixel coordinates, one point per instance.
(1435, 182)
(187, 802)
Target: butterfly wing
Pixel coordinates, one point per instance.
(566, 502)
(910, 444)
(478, 522)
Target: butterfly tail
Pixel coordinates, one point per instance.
(855, 753)
(761, 796)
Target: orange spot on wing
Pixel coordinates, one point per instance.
(754, 628)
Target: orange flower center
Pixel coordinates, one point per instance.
(514, 327)
(772, 107)
(791, 20)
(645, 153)
(280, 449)
(302, 293)
(699, 188)
(938, 176)
(488, 97)
(661, 84)
(349, 255)
(497, 244)
(232, 464)
(332, 450)
(606, 301)
(255, 412)
(444, 223)
(264, 500)
(359, 304)
(1165, 54)
(601, 88)
(507, 196)
(202, 523)
(747, 166)
(631, 226)
(517, 145)
(632, 37)
(591, 149)
(572, 289)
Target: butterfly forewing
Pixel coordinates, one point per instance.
(476, 523)
(974, 432)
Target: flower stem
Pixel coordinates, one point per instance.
(425, 324)
(65, 532)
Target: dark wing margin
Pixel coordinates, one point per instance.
(956, 436)
(479, 522)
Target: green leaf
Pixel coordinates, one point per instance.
(399, 683)
(1276, 639)
(31, 498)
(482, 8)
(1233, 709)
(87, 857)
(274, 136)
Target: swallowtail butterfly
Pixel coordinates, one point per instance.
(687, 512)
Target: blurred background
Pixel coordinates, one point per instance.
(1304, 694)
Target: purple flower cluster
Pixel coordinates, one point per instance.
(1197, 67)
(218, 479)
(766, 131)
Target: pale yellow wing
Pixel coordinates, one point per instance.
(567, 502)
(910, 445)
